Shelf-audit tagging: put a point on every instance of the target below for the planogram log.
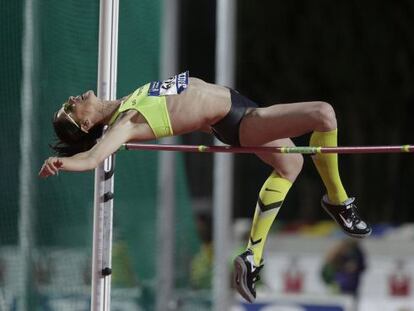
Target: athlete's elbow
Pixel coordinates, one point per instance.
(96, 160)
(93, 163)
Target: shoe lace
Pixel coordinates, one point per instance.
(351, 213)
(255, 274)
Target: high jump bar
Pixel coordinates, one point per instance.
(261, 149)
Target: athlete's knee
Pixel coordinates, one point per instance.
(291, 168)
(325, 116)
(297, 163)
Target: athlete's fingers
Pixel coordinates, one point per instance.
(58, 163)
(41, 171)
(52, 166)
(48, 168)
(45, 171)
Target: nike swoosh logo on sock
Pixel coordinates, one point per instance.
(272, 190)
(255, 242)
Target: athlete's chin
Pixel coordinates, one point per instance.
(89, 93)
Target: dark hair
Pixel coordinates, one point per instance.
(71, 139)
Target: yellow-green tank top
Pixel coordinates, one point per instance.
(152, 108)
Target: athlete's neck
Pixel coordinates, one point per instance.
(107, 108)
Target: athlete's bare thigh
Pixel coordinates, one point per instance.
(262, 125)
(273, 126)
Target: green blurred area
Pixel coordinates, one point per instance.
(65, 59)
(11, 75)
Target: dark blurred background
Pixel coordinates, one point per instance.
(356, 55)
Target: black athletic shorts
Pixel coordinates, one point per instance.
(227, 129)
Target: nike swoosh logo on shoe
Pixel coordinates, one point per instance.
(347, 223)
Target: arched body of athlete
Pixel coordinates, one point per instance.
(182, 105)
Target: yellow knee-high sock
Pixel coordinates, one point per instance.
(327, 165)
(270, 200)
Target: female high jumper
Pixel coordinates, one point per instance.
(184, 104)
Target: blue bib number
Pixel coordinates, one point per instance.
(172, 86)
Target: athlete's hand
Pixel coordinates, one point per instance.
(50, 167)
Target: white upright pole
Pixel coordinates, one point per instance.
(104, 179)
(167, 171)
(26, 180)
(223, 163)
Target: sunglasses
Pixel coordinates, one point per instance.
(67, 109)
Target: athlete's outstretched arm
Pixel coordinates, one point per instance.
(114, 138)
